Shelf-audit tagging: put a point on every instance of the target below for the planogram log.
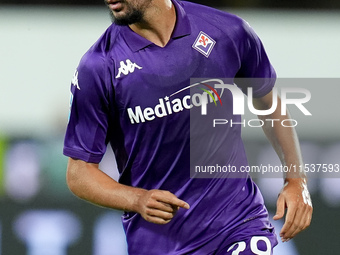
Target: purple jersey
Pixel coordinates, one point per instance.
(131, 93)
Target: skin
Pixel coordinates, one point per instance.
(158, 22)
(294, 195)
(88, 182)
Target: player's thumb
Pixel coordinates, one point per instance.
(280, 208)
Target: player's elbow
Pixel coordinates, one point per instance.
(72, 177)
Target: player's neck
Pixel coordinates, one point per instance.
(158, 24)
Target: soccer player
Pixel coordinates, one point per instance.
(131, 90)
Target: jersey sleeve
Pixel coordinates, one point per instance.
(86, 133)
(256, 70)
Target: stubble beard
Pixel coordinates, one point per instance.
(132, 16)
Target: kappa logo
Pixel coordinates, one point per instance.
(75, 80)
(127, 68)
(204, 44)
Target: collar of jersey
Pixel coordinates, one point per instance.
(182, 28)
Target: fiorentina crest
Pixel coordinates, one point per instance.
(204, 44)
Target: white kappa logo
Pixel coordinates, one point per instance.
(75, 80)
(127, 68)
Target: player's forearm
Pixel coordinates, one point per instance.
(284, 140)
(286, 144)
(89, 183)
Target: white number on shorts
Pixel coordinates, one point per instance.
(253, 246)
(241, 247)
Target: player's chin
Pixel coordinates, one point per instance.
(119, 15)
(121, 19)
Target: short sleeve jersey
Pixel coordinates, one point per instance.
(133, 94)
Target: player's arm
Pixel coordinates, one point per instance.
(86, 139)
(88, 182)
(294, 196)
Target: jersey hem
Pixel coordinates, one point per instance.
(87, 157)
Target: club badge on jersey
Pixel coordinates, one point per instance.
(204, 44)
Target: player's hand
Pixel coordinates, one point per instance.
(295, 197)
(159, 206)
